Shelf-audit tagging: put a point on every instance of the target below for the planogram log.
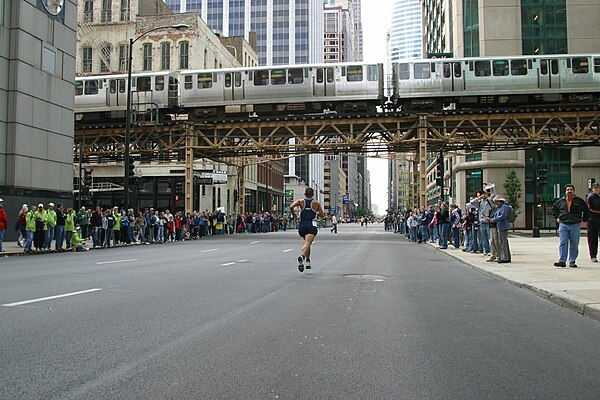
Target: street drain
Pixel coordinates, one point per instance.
(367, 277)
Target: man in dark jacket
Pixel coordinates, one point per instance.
(593, 225)
(569, 212)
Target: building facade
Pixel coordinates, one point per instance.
(37, 71)
(405, 30)
(287, 31)
(334, 186)
(343, 34)
(510, 27)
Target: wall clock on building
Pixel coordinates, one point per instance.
(54, 7)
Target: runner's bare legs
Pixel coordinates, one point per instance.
(308, 239)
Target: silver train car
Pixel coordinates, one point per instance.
(497, 82)
(104, 98)
(297, 89)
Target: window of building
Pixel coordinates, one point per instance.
(87, 59)
(125, 10)
(581, 65)
(88, 11)
(122, 57)
(204, 81)
(471, 27)
(184, 55)
(518, 67)
(147, 56)
(106, 14)
(544, 26)
(165, 55)
(422, 71)
(473, 156)
(105, 50)
(474, 181)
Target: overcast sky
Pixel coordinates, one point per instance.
(376, 15)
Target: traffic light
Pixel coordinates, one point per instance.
(131, 170)
(439, 179)
(178, 188)
(87, 178)
(542, 176)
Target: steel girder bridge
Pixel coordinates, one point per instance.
(238, 140)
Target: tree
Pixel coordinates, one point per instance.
(512, 190)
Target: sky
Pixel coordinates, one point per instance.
(376, 16)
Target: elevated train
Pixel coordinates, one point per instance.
(349, 88)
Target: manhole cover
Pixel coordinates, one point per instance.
(367, 277)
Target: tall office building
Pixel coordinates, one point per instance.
(502, 28)
(343, 34)
(406, 33)
(287, 31)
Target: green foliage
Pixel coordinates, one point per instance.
(512, 190)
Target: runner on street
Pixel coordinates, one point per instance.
(307, 229)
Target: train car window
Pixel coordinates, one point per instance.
(306, 72)
(422, 71)
(295, 76)
(187, 82)
(227, 80)
(500, 67)
(581, 65)
(159, 83)
(554, 67)
(261, 78)
(482, 68)
(568, 63)
(432, 67)
(237, 77)
(278, 77)
(544, 67)
(355, 73)
(122, 86)
(204, 81)
(597, 65)
(112, 86)
(404, 71)
(447, 70)
(320, 75)
(457, 70)
(471, 63)
(143, 84)
(91, 87)
(329, 75)
(78, 88)
(518, 67)
(343, 71)
(530, 64)
(372, 73)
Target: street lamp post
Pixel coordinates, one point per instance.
(127, 161)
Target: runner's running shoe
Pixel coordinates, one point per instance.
(301, 263)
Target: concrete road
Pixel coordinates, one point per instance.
(232, 318)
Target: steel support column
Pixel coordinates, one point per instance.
(422, 134)
(189, 170)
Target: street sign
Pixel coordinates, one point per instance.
(345, 199)
(289, 196)
(204, 181)
(446, 191)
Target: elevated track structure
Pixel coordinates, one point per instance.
(233, 140)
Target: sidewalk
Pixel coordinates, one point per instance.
(532, 268)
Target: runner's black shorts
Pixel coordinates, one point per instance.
(309, 230)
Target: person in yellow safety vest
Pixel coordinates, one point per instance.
(39, 237)
(29, 228)
(78, 243)
(50, 225)
(69, 226)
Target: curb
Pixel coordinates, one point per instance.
(589, 310)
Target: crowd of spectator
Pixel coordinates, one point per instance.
(482, 228)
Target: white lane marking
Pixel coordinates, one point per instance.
(254, 242)
(226, 264)
(206, 251)
(20, 303)
(242, 261)
(288, 250)
(117, 261)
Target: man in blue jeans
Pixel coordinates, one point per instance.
(569, 211)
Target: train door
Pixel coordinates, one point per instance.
(549, 77)
(452, 77)
(232, 86)
(112, 96)
(324, 82)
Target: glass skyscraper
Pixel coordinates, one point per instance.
(406, 39)
(287, 31)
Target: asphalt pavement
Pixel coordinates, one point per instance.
(232, 318)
